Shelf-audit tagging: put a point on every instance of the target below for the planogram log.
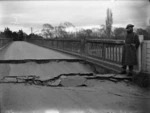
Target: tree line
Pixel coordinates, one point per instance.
(118, 33)
(104, 32)
(49, 31)
(17, 35)
(9, 34)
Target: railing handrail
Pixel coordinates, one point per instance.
(110, 41)
(106, 41)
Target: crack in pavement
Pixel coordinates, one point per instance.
(77, 78)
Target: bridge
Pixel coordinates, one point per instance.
(105, 53)
(102, 54)
(80, 73)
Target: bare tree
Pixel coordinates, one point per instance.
(67, 24)
(60, 30)
(109, 22)
(47, 30)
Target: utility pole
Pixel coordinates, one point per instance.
(31, 30)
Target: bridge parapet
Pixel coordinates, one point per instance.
(106, 53)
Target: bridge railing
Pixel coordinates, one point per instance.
(145, 66)
(106, 50)
(4, 41)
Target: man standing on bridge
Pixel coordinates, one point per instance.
(129, 56)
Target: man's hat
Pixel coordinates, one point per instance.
(129, 25)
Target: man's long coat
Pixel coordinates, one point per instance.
(129, 56)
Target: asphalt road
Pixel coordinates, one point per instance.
(22, 50)
(99, 97)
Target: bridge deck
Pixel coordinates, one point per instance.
(97, 96)
(23, 50)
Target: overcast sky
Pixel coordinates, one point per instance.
(26, 14)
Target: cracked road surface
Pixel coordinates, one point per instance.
(98, 96)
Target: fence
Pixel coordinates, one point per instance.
(4, 41)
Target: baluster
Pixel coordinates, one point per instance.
(119, 54)
(113, 52)
(116, 53)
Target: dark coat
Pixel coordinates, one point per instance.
(129, 56)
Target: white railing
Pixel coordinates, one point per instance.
(145, 56)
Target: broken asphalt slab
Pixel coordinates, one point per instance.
(73, 81)
(65, 80)
(78, 79)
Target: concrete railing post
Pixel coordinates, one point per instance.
(141, 38)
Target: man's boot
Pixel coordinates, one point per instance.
(123, 70)
(130, 70)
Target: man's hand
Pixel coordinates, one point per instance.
(133, 45)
